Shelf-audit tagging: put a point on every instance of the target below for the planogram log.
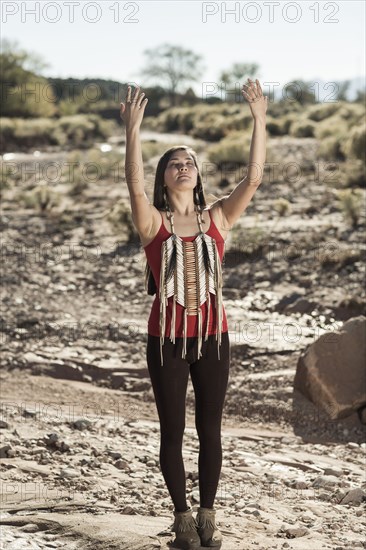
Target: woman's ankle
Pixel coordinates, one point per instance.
(181, 511)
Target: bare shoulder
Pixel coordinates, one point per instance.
(147, 235)
(219, 218)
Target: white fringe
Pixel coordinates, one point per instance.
(180, 286)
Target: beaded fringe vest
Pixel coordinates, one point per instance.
(190, 283)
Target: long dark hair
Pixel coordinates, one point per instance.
(160, 203)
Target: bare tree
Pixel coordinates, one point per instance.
(174, 66)
(11, 52)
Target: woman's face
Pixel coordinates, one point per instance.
(181, 171)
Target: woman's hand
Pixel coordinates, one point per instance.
(258, 103)
(133, 111)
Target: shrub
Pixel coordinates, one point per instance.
(329, 148)
(287, 122)
(78, 182)
(282, 206)
(209, 131)
(120, 218)
(75, 131)
(151, 149)
(353, 173)
(5, 177)
(234, 148)
(330, 127)
(107, 162)
(355, 145)
(322, 111)
(353, 113)
(351, 204)
(41, 198)
(275, 127)
(302, 128)
(168, 121)
(33, 132)
(339, 258)
(238, 121)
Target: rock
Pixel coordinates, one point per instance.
(299, 484)
(30, 528)
(81, 424)
(117, 380)
(53, 441)
(116, 455)
(353, 445)
(326, 482)
(195, 496)
(69, 473)
(28, 413)
(12, 453)
(333, 472)
(362, 414)
(301, 305)
(4, 451)
(286, 301)
(122, 465)
(331, 371)
(295, 532)
(354, 496)
(350, 307)
(3, 424)
(255, 513)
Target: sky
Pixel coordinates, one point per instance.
(307, 40)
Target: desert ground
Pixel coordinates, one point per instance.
(79, 453)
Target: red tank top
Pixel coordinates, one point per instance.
(153, 256)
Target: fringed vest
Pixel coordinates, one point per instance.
(196, 273)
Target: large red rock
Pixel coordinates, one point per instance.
(331, 372)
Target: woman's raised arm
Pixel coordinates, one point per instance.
(132, 113)
(234, 205)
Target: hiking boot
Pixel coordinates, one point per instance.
(185, 527)
(207, 529)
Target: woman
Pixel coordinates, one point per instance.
(187, 327)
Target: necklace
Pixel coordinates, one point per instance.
(189, 272)
(170, 217)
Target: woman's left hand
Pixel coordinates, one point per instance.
(258, 103)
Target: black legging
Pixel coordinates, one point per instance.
(210, 379)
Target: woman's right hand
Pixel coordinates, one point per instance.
(132, 111)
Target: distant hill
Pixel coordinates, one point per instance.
(327, 92)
